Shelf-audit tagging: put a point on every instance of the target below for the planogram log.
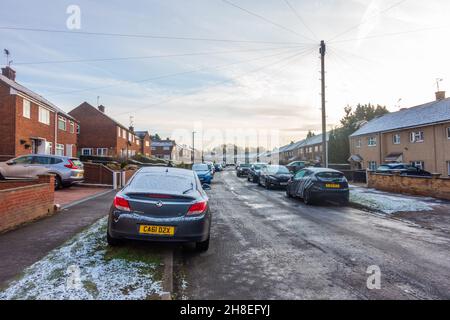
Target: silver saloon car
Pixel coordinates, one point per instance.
(161, 204)
(67, 170)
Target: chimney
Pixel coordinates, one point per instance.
(131, 129)
(9, 73)
(440, 95)
(101, 108)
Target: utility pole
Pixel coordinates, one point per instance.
(324, 116)
(193, 147)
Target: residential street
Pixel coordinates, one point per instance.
(266, 246)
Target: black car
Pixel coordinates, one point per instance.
(313, 184)
(274, 176)
(296, 166)
(403, 168)
(255, 171)
(242, 169)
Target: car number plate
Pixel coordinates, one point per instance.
(283, 184)
(333, 185)
(158, 230)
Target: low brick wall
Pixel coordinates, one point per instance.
(25, 201)
(424, 186)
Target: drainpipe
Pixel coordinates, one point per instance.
(56, 133)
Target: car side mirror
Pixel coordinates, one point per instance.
(10, 163)
(206, 186)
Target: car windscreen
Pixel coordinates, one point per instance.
(200, 167)
(258, 166)
(383, 168)
(329, 175)
(162, 183)
(245, 165)
(278, 170)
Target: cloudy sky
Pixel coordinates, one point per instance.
(254, 64)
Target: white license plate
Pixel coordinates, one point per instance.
(283, 184)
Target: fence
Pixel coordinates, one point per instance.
(424, 186)
(96, 173)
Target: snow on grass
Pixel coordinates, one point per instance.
(387, 202)
(86, 268)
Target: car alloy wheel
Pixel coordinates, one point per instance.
(306, 198)
(58, 183)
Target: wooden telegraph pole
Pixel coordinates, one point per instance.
(324, 116)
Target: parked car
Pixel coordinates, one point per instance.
(161, 204)
(67, 170)
(211, 167)
(255, 171)
(203, 172)
(403, 168)
(274, 176)
(296, 166)
(242, 169)
(218, 167)
(312, 184)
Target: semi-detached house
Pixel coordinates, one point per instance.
(30, 123)
(101, 135)
(419, 135)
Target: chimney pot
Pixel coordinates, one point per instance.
(9, 73)
(101, 108)
(440, 95)
(131, 129)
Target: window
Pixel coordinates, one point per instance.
(62, 123)
(147, 143)
(124, 134)
(86, 151)
(416, 136)
(118, 132)
(448, 168)
(396, 138)
(78, 129)
(26, 109)
(102, 152)
(44, 116)
(418, 164)
(358, 143)
(72, 127)
(153, 148)
(24, 160)
(448, 133)
(166, 148)
(59, 149)
(138, 142)
(372, 165)
(48, 147)
(372, 141)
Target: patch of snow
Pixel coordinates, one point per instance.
(81, 269)
(388, 202)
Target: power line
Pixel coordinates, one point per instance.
(151, 57)
(371, 17)
(267, 20)
(300, 18)
(167, 75)
(176, 97)
(86, 33)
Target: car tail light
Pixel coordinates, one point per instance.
(198, 208)
(71, 165)
(121, 204)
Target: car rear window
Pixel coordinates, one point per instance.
(77, 162)
(330, 175)
(200, 167)
(162, 182)
(278, 170)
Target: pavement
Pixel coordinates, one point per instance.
(266, 246)
(22, 247)
(73, 194)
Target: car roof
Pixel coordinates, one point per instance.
(46, 155)
(168, 170)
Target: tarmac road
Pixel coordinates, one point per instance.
(266, 246)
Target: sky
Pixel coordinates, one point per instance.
(230, 65)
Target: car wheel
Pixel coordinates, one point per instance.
(267, 185)
(58, 183)
(112, 241)
(307, 198)
(202, 246)
(248, 178)
(2, 177)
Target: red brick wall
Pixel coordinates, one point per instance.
(423, 186)
(65, 137)
(7, 123)
(26, 203)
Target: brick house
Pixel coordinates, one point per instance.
(103, 136)
(145, 143)
(31, 124)
(309, 149)
(163, 149)
(418, 135)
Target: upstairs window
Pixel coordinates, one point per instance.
(118, 132)
(62, 123)
(358, 143)
(372, 141)
(72, 127)
(147, 143)
(448, 133)
(416, 136)
(44, 116)
(396, 138)
(26, 109)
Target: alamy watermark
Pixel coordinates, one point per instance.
(73, 22)
(374, 280)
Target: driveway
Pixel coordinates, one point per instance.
(73, 194)
(266, 246)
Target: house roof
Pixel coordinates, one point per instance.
(425, 114)
(303, 143)
(141, 134)
(18, 87)
(163, 143)
(104, 114)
